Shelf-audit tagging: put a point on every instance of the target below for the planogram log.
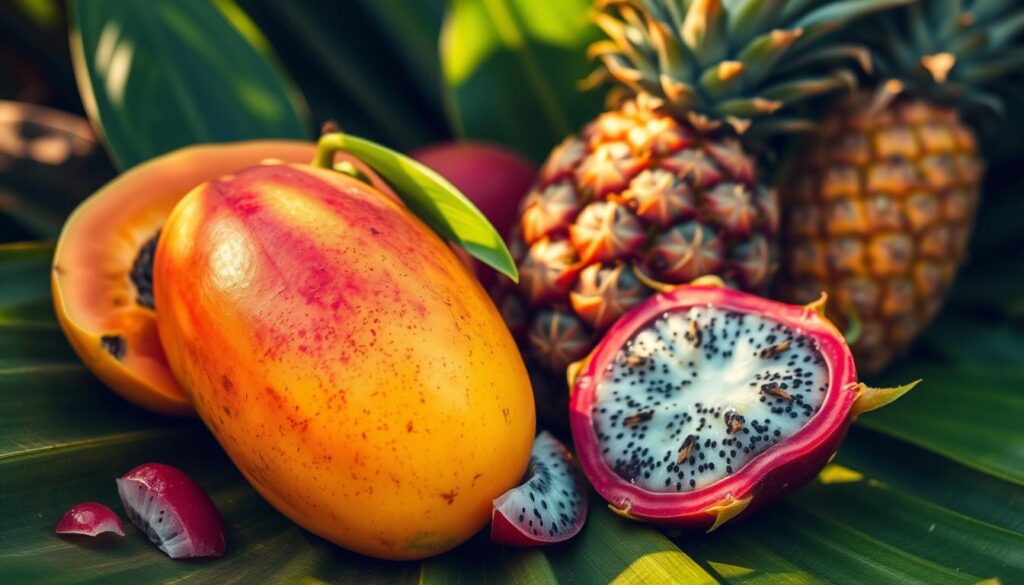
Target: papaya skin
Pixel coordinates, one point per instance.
(350, 365)
(93, 294)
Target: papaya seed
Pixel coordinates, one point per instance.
(114, 344)
(142, 272)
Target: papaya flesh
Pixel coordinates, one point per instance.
(102, 267)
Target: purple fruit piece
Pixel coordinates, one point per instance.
(90, 519)
(174, 512)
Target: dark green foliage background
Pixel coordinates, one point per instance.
(926, 491)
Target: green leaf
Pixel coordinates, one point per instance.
(611, 548)
(903, 466)
(993, 286)
(887, 512)
(34, 54)
(794, 90)
(484, 563)
(162, 74)
(993, 343)
(881, 514)
(1000, 213)
(704, 31)
(412, 27)
(25, 278)
(430, 197)
(393, 98)
(512, 69)
(824, 18)
(844, 11)
(971, 415)
(1007, 30)
(749, 18)
(31, 344)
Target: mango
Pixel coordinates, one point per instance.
(347, 361)
(101, 277)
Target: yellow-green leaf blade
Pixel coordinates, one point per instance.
(431, 198)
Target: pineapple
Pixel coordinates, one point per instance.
(639, 198)
(660, 189)
(880, 204)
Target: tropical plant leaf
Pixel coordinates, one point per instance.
(610, 549)
(878, 515)
(934, 478)
(412, 28)
(25, 283)
(970, 414)
(162, 74)
(512, 70)
(430, 197)
(887, 512)
(393, 98)
(992, 286)
(994, 343)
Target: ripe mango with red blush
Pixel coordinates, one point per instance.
(102, 278)
(350, 365)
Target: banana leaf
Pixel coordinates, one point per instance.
(512, 69)
(926, 491)
(156, 75)
(369, 65)
(906, 501)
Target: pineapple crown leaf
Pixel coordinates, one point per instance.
(750, 17)
(952, 51)
(980, 98)
(729, 61)
(1003, 33)
(856, 54)
(703, 31)
(981, 72)
(982, 10)
(797, 89)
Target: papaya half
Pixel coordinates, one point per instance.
(102, 268)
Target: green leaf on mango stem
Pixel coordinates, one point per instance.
(430, 197)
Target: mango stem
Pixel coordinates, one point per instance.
(327, 147)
